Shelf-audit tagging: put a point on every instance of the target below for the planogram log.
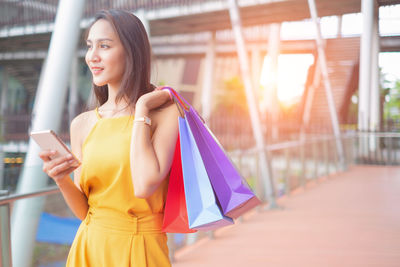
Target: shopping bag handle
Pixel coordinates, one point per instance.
(181, 102)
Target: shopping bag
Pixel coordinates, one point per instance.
(175, 213)
(202, 208)
(233, 193)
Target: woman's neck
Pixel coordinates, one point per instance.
(112, 92)
(112, 106)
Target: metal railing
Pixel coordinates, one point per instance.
(378, 148)
(294, 164)
(6, 203)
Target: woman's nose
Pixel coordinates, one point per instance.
(92, 55)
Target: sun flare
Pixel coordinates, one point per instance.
(289, 78)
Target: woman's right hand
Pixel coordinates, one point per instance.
(59, 168)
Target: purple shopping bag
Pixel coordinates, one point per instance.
(234, 195)
(202, 208)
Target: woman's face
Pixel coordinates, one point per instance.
(105, 55)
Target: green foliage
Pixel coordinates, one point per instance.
(391, 96)
(232, 96)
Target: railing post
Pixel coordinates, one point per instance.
(171, 246)
(303, 164)
(390, 151)
(353, 155)
(257, 186)
(369, 161)
(287, 171)
(315, 158)
(337, 160)
(5, 230)
(394, 150)
(326, 156)
(376, 156)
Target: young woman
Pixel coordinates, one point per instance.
(126, 147)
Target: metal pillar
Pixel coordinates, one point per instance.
(4, 92)
(327, 84)
(366, 69)
(73, 88)
(3, 108)
(273, 53)
(374, 122)
(265, 165)
(48, 110)
(208, 80)
(375, 111)
(367, 10)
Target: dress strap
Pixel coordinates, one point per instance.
(96, 110)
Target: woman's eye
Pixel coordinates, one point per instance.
(104, 46)
(88, 46)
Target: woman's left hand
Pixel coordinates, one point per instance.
(153, 100)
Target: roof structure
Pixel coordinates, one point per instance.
(28, 25)
(182, 16)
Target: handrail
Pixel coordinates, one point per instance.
(379, 134)
(291, 144)
(313, 139)
(43, 192)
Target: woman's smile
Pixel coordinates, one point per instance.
(96, 70)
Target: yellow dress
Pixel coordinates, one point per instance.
(119, 230)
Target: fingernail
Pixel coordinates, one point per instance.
(69, 156)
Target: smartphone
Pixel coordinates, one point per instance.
(49, 140)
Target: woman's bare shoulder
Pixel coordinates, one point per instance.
(83, 118)
(81, 124)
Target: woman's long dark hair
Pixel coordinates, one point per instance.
(133, 36)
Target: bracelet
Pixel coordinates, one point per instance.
(144, 119)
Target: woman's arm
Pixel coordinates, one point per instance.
(151, 158)
(59, 170)
(72, 192)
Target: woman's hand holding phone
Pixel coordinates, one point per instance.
(58, 160)
(58, 168)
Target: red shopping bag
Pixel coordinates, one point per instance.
(175, 212)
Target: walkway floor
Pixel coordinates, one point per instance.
(350, 219)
